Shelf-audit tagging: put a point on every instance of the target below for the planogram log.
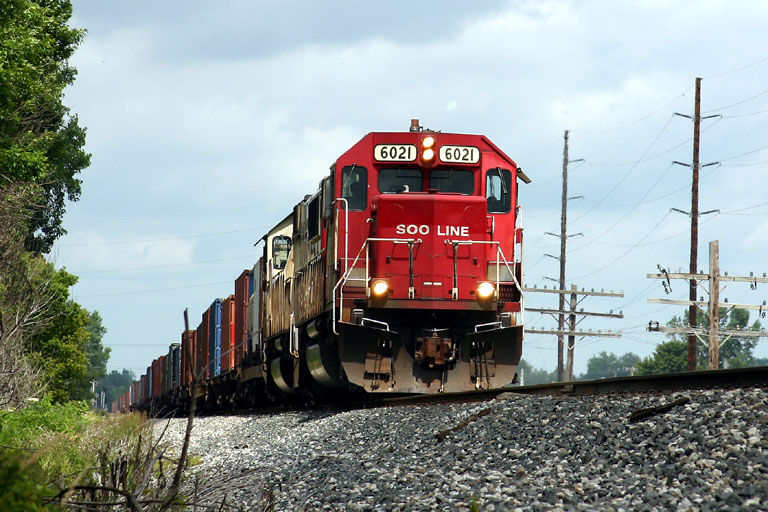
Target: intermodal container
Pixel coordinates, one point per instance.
(142, 389)
(162, 360)
(228, 334)
(202, 342)
(156, 378)
(254, 312)
(243, 286)
(188, 357)
(148, 388)
(176, 368)
(214, 338)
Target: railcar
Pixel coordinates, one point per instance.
(401, 273)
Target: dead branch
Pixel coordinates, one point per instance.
(642, 414)
(442, 435)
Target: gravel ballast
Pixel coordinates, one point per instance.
(526, 453)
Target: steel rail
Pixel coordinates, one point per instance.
(667, 382)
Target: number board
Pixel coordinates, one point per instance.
(395, 152)
(460, 154)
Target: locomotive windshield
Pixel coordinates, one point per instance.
(393, 181)
(457, 181)
(498, 190)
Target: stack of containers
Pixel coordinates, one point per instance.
(156, 378)
(203, 335)
(168, 370)
(243, 290)
(188, 351)
(143, 388)
(148, 395)
(227, 334)
(163, 365)
(176, 365)
(214, 338)
(253, 310)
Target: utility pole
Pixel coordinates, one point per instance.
(693, 269)
(563, 237)
(713, 332)
(571, 332)
(714, 311)
(571, 337)
(694, 213)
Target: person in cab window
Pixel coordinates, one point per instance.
(357, 194)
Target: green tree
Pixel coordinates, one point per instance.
(98, 355)
(115, 384)
(41, 143)
(533, 375)
(736, 352)
(607, 364)
(59, 347)
(669, 357)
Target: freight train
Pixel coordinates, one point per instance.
(401, 273)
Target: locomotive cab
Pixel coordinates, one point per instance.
(426, 294)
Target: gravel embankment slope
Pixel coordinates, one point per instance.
(529, 453)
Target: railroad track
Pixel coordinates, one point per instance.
(706, 379)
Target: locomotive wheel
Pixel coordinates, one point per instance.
(281, 370)
(324, 364)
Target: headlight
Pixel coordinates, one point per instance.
(485, 290)
(380, 288)
(428, 155)
(428, 142)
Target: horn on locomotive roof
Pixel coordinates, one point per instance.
(415, 127)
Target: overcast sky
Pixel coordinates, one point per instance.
(208, 121)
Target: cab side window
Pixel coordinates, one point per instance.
(498, 190)
(281, 246)
(354, 187)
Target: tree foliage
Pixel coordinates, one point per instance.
(669, 357)
(532, 375)
(44, 336)
(736, 352)
(605, 364)
(115, 384)
(41, 143)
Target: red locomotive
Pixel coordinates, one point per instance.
(400, 274)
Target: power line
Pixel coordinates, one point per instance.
(628, 172)
(737, 69)
(627, 252)
(175, 265)
(136, 292)
(199, 235)
(745, 165)
(746, 114)
(744, 154)
(656, 155)
(626, 214)
(738, 102)
(662, 107)
(735, 212)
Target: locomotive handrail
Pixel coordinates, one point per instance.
(348, 271)
(499, 252)
(346, 236)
